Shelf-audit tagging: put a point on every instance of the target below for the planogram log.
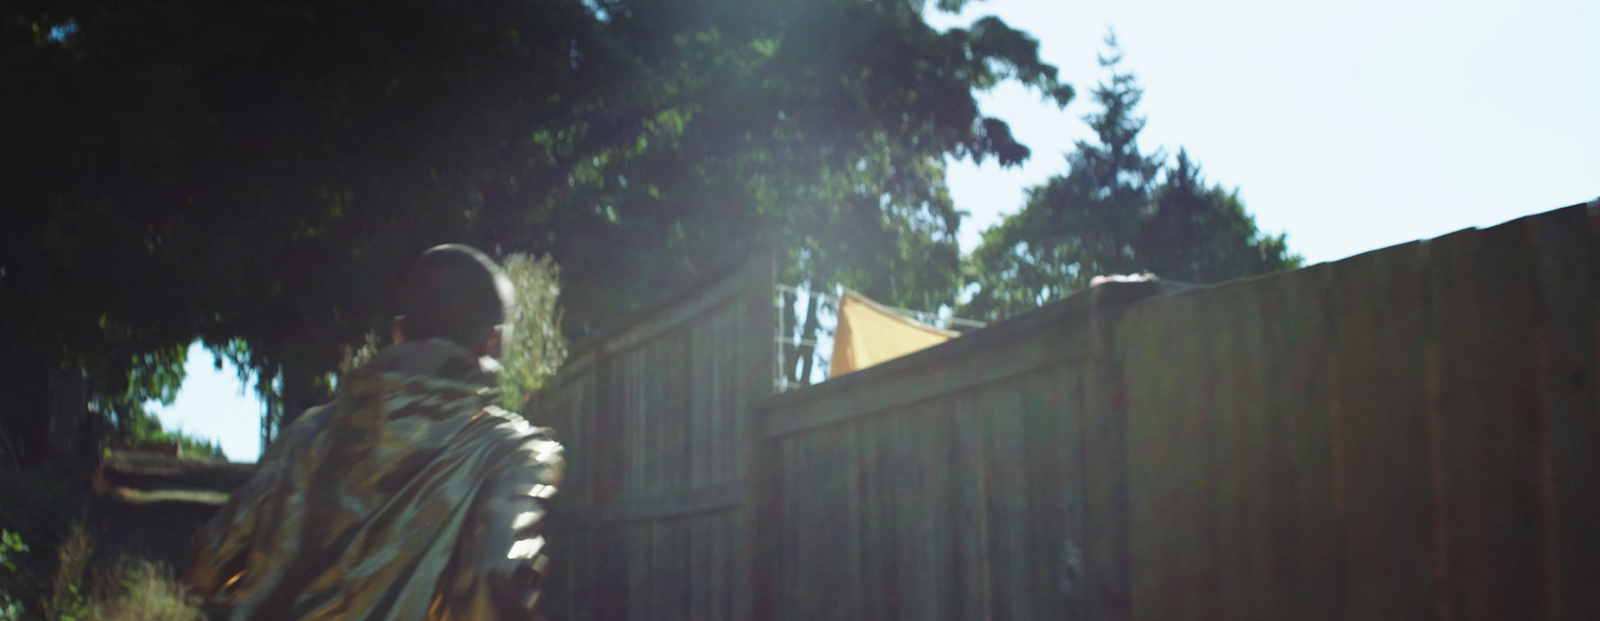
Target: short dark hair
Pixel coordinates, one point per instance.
(456, 293)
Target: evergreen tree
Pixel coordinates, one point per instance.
(1074, 226)
(1201, 233)
(1109, 214)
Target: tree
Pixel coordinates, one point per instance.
(820, 128)
(1074, 226)
(1110, 215)
(1201, 233)
(252, 173)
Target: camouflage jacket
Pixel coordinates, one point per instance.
(410, 496)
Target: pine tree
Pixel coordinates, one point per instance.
(1201, 233)
(1079, 225)
(1110, 215)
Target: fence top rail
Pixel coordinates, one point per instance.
(1072, 309)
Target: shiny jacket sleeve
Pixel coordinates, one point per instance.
(502, 552)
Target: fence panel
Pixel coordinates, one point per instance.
(652, 523)
(1410, 433)
(947, 484)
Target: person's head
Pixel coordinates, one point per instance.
(456, 293)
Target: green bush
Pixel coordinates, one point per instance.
(129, 589)
(38, 509)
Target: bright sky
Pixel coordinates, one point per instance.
(214, 404)
(1350, 126)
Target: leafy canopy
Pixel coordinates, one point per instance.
(254, 173)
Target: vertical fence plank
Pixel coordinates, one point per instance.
(752, 455)
(876, 584)
(1491, 438)
(1054, 437)
(1243, 418)
(1155, 415)
(998, 418)
(1379, 398)
(1106, 574)
(1311, 559)
(969, 474)
(1571, 474)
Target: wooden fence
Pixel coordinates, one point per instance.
(1413, 433)
(656, 420)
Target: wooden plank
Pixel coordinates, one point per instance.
(853, 590)
(913, 561)
(679, 377)
(934, 590)
(794, 555)
(710, 499)
(1202, 476)
(1494, 441)
(876, 541)
(969, 486)
(940, 378)
(1307, 533)
(1055, 463)
(997, 416)
(611, 590)
(1159, 357)
(679, 561)
(700, 380)
(637, 544)
(755, 548)
(1229, 464)
(653, 405)
(632, 438)
(832, 543)
(1568, 270)
(1242, 420)
(1106, 536)
(700, 567)
(1382, 429)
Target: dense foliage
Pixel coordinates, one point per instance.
(254, 172)
(536, 348)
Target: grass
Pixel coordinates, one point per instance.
(128, 589)
(140, 590)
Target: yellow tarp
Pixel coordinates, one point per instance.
(870, 334)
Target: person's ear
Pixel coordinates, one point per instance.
(397, 329)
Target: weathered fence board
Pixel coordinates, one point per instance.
(944, 485)
(1375, 438)
(1412, 433)
(654, 506)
